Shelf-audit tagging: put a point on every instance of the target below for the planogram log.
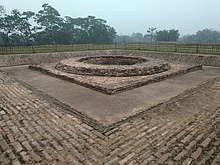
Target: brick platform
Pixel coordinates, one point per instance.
(111, 84)
(184, 130)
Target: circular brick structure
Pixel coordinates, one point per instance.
(114, 66)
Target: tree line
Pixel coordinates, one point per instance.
(205, 35)
(48, 27)
(172, 35)
(152, 35)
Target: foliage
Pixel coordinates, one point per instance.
(151, 33)
(17, 28)
(167, 35)
(134, 37)
(206, 35)
(137, 36)
(16, 25)
(2, 10)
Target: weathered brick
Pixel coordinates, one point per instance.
(35, 131)
(206, 142)
(187, 161)
(197, 153)
(26, 145)
(186, 139)
(112, 161)
(16, 162)
(127, 158)
(24, 156)
(180, 155)
(47, 156)
(36, 146)
(191, 145)
(199, 137)
(56, 146)
(164, 158)
(35, 157)
(17, 147)
(148, 160)
(10, 154)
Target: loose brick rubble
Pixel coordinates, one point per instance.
(185, 130)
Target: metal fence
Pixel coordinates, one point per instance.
(160, 47)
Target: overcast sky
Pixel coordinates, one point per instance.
(128, 16)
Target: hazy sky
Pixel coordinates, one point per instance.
(128, 16)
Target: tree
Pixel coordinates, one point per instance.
(173, 35)
(69, 31)
(2, 10)
(25, 28)
(122, 39)
(167, 35)
(205, 35)
(92, 30)
(9, 24)
(99, 32)
(137, 37)
(151, 33)
(16, 28)
(50, 22)
(16, 25)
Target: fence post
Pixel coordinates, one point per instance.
(126, 46)
(218, 48)
(197, 48)
(32, 47)
(175, 47)
(56, 48)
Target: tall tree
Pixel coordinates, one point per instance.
(25, 28)
(137, 37)
(205, 35)
(17, 28)
(50, 22)
(2, 10)
(151, 33)
(99, 32)
(10, 23)
(167, 35)
(93, 30)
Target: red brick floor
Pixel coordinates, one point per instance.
(184, 130)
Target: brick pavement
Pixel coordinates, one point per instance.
(185, 130)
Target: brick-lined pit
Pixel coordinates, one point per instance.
(114, 66)
(111, 74)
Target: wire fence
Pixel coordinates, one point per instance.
(159, 47)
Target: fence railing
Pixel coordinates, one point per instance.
(160, 47)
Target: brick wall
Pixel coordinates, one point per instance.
(26, 59)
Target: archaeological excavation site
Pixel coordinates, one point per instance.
(110, 107)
